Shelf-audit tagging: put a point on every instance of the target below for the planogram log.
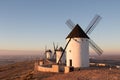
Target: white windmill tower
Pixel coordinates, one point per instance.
(48, 53)
(58, 55)
(77, 47)
(77, 51)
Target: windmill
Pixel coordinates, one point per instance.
(48, 53)
(55, 49)
(58, 55)
(77, 47)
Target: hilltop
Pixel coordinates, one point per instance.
(25, 71)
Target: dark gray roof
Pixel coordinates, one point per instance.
(60, 49)
(48, 51)
(77, 32)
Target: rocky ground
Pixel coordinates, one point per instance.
(25, 71)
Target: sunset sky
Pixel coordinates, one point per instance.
(30, 25)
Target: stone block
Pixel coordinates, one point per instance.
(55, 68)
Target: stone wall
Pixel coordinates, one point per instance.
(54, 68)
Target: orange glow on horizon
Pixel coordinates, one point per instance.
(20, 52)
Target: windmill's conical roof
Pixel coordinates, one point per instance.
(60, 49)
(77, 32)
(48, 51)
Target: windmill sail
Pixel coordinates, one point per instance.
(45, 51)
(96, 48)
(55, 48)
(92, 24)
(70, 24)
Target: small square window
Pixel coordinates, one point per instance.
(70, 51)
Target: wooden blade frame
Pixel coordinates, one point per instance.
(95, 47)
(70, 24)
(55, 48)
(93, 24)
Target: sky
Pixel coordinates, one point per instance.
(30, 25)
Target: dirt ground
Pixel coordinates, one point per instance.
(25, 71)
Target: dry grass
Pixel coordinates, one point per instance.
(24, 71)
(94, 74)
(13, 71)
